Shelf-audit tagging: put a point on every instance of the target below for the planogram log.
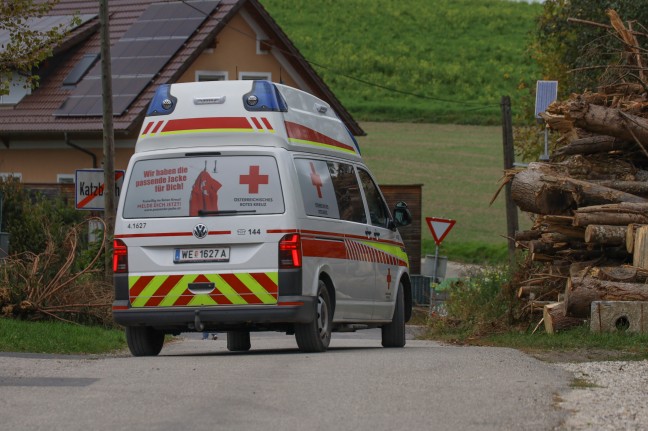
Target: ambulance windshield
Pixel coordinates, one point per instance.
(204, 186)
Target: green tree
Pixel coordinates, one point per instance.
(27, 45)
(578, 54)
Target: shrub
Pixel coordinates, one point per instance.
(480, 304)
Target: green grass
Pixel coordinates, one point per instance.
(58, 337)
(577, 338)
(459, 167)
(458, 57)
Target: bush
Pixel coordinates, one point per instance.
(52, 271)
(478, 305)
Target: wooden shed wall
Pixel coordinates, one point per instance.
(412, 195)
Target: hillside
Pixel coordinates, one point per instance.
(439, 61)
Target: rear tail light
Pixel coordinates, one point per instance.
(120, 257)
(290, 253)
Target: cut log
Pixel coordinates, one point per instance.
(630, 236)
(606, 121)
(640, 251)
(583, 219)
(582, 291)
(592, 145)
(622, 207)
(555, 319)
(623, 273)
(605, 234)
(527, 235)
(637, 188)
(542, 190)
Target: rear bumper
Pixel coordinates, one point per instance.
(291, 309)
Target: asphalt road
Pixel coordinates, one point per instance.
(356, 385)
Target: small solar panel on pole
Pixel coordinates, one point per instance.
(546, 94)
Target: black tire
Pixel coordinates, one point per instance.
(144, 340)
(316, 335)
(393, 334)
(238, 341)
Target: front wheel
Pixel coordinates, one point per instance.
(316, 335)
(393, 334)
(144, 340)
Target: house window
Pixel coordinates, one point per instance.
(65, 178)
(18, 88)
(7, 175)
(250, 76)
(211, 75)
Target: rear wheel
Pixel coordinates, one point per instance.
(144, 340)
(393, 334)
(316, 335)
(238, 341)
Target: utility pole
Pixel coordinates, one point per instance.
(509, 158)
(108, 137)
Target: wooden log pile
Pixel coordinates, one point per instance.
(589, 202)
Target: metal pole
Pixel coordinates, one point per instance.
(434, 277)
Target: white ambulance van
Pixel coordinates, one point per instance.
(247, 207)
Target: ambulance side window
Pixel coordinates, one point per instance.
(347, 192)
(378, 212)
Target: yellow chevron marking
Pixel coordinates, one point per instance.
(148, 291)
(225, 289)
(256, 288)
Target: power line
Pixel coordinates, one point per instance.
(479, 106)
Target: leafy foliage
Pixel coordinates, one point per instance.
(479, 305)
(443, 61)
(579, 54)
(27, 47)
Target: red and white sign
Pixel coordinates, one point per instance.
(89, 185)
(439, 228)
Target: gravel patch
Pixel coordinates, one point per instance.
(607, 396)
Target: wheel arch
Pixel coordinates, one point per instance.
(326, 278)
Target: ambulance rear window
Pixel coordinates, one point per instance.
(204, 186)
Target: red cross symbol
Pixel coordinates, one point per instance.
(316, 180)
(388, 278)
(253, 179)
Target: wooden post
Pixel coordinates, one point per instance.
(108, 136)
(509, 158)
(640, 251)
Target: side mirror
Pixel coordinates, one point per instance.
(402, 215)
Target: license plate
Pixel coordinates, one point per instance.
(187, 255)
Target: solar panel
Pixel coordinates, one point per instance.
(546, 94)
(140, 54)
(47, 23)
(80, 69)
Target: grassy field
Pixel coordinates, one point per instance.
(441, 61)
(459, 167)
(58, 337)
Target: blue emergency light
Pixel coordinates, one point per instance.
(163, 102)
(264, 97)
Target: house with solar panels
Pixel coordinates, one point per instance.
(49, 133)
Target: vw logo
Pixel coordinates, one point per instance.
(200, 231)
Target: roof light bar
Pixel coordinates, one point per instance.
(264, 97)
(163, 102)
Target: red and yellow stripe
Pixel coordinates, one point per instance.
(230, 289)
(299, 134)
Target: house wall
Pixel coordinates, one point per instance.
(236, 51)
(42, 165)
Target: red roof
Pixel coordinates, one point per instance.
(35, 113)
